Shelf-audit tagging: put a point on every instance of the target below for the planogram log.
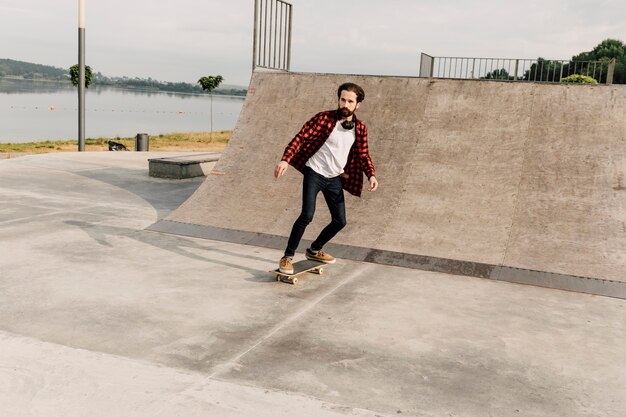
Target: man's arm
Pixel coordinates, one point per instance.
(366, 161)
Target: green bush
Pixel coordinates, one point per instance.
(577, 78)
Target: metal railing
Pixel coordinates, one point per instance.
(538, 70)
(272, 35)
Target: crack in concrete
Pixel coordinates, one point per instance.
(233, 362)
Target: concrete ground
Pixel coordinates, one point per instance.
(99, 317)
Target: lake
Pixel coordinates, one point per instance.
(38, 110)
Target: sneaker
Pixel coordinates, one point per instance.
(320, 256)
(286, 267)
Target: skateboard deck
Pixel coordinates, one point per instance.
(299, 268)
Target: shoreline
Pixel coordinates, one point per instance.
(169, 142)
(98, 85)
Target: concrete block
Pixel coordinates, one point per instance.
(185, 166)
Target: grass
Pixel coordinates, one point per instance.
(189, 141)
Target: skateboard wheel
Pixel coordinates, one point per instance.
(320, 271)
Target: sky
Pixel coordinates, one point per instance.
(184, 40)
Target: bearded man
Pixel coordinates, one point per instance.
(331, 152)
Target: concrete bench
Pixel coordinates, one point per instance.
(183, 166)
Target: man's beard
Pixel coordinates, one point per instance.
(344, 112)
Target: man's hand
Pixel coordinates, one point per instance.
(280, 169)
(373, 184)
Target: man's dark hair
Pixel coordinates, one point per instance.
(360, 94)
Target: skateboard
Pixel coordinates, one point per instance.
(299, 268)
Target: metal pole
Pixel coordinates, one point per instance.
(610, 72)
(265, 37)
(289, 39)
(273, 27)
(81, 75)
(255, 34)
(280, 35)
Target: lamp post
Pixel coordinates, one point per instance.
(81, 75)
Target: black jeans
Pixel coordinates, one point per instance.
(332, 190)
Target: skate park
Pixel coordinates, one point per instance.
(486, 276)
(103, 315)
(513, 182)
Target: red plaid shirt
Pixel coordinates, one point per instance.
(313, 135)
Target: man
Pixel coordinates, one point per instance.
(331, 152)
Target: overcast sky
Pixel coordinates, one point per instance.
(184, 40)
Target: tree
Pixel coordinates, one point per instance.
(498, 74)
(605, 51)
(209, 84)
(546, 70)
(74, 75)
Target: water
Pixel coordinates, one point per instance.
(37, 111)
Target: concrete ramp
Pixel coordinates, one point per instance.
(513, 181)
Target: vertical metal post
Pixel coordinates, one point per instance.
(255, 34)
(610, 72)
(283, 62)
(265, 36)
(280, 33)
(81, 75)
(275, 35)
(272, 36)
(289, 40)
(283, 34)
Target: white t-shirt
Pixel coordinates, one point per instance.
(333, 155)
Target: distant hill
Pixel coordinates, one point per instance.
(27, 70)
